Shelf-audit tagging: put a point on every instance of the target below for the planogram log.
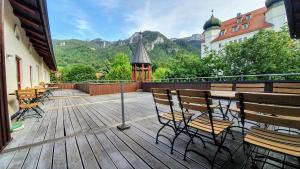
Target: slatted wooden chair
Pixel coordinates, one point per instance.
(205, 125)
(222, 104)
(274, 109)
(167, 116)
(242, 87)
(289, 88)
(26, 104)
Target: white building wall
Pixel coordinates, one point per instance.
(276, 15)
(19, 48)
(218, 45)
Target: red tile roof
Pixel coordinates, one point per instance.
(256, 22)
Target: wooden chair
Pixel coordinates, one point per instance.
(26, 104)
(274, 109)
(221, 86)
(250, 87)
(205, 125)
(289, 88)
(222, 104)
(242, 87)
(167, 116)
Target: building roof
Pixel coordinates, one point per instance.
(293, 15)
(140, 55)
(33, 16)
(256, 22)
(212, 22)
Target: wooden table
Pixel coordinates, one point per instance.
(223, 94)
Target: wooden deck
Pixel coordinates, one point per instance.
(79, 131)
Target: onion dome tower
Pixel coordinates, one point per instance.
(212, 28)
(212, 23)
(140, 62)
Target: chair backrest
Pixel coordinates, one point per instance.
(221, 86)
(276, 109)
(25, 95)
(197, 100)
(162, 96)
(250, 87)
(289, 88)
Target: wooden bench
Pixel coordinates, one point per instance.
(273, 109)
(290, 88)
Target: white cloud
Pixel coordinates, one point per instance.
(82, 24)
(177, 18)
(107, 4)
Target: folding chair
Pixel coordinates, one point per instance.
(205, 125)
(167, 116)
(274, 109)
(26, 103)
(221, 105)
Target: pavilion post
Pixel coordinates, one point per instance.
(143, 72)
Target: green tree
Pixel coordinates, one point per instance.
(160, 73)
(119, 68)
(266, 52)
(78, 73)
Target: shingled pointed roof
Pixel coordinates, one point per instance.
(140, 55)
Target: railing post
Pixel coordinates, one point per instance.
(123, 126)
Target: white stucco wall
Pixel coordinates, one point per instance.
(19, 48)
(276, 15)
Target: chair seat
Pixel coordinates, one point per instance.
(28, 106)
(178, 116)
(276, 141)
(203, 123)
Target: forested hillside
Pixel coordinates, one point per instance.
(98, 52)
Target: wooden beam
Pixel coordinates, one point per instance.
(40, 47)
(24, 7)
(27, 20)
(35, 33)
(33, 40)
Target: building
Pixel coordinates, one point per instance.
(26, 55)
(217, 34)
(140, 62)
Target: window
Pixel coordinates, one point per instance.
(239, 20)
(235, 40)
(248, 17)
(245, 26)
(245, 38)
(222, 33)
(234, 29)
(240, 40)
(220, 45)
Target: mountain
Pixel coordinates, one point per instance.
(99, 52)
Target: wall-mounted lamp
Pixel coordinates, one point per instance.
(8, 56)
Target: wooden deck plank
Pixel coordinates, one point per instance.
(113, 153)
(32, 157)
(45, 160)
(140, 151)
(130, 155)
(73, 155)
(87, 155)
(101, 155)
(59, 155)
(18, 160)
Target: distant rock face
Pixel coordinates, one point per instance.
(100, 44)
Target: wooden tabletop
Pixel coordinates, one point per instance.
(223, 94)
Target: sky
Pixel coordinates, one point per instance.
(118, 19)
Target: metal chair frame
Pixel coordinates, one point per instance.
(176, 127)
(258, 156)
(213, 136)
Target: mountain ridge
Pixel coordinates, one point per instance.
(98, 51)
